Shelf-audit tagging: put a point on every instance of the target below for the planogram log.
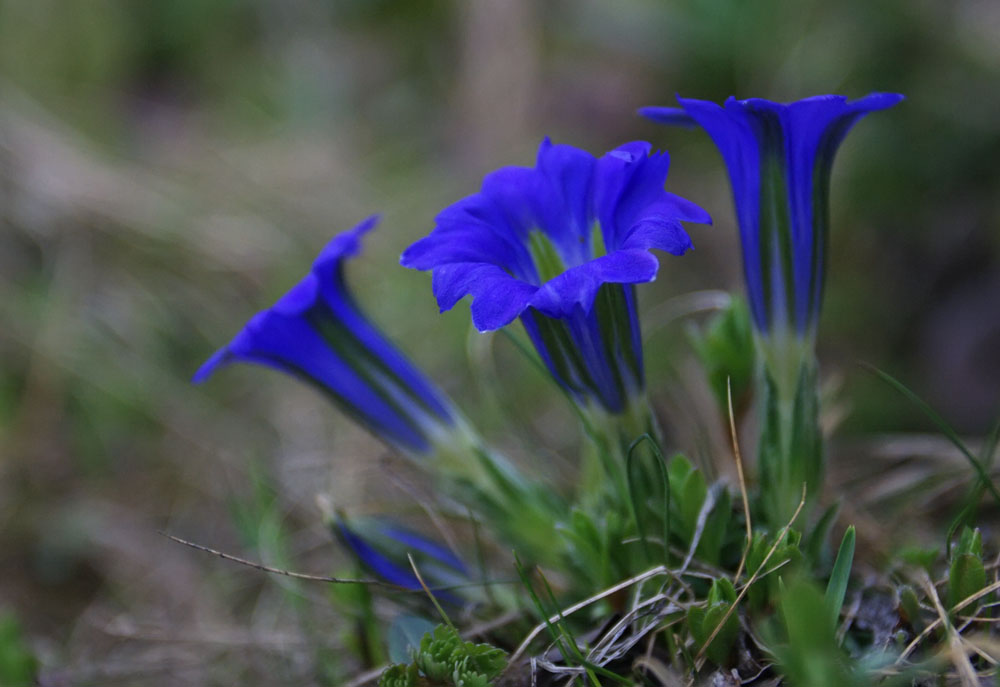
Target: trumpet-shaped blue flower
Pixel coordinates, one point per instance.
(560, 246)
(317, 332)
(779, 159)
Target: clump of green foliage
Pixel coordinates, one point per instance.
(443, 659)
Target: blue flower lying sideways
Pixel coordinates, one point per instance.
(317, 333)
(779, 159)
(560, 246)
(382, 547)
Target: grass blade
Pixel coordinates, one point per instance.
(942, 425)
(632, 467)
(836, 588)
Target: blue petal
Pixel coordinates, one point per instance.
(734, 136)
(347, 244)
(814, 129)
(626, 180)
(484, 246)
(661, 232)
(498, 300)
(643, 195)
(670, 205)
(402, 381)
(453, 282)
(576, 287)
(317, 333)
(420, 543)
(218, 359)
(300, 298)
(378, 563)
(292, 345)
(565, 216)
(464, 243)
(674, 116)
(806, 135)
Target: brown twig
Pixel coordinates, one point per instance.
(279, 571)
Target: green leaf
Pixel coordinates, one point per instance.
(816, 549)
(971, 543)
(693, 493)
(967, 575)
(640, 482)
(726, 351)
(942, 425)
(716, 531)
(836, 588)
(400, 675)
(405, 635)
(811, 657)
(766, 591)
(688, 493)
(970, 505)
(703, 621)
(921, 557)
(910, 605)
(679, 468)
(722, 590)
(439, 650)
(485, 659)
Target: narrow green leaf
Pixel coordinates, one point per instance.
(836, 588)
(694, 491)
(815, 548)
(810, 655)
(910, 604)
(717, 529)
(965, 577)
(636, 475)
(942, 425)
(970, 505)
(703, 621)
(971, 542)
(721, 647)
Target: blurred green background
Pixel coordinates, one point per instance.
(169, 168)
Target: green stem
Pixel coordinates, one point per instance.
(611, 436)
(791, 445)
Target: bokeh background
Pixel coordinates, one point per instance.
(169, 168)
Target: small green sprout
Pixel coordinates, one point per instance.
(703, 621)
(445, 660)
(966, 575)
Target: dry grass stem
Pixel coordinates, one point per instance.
(739, 471)
(753, 578)
(280, 571)
(956, 649)
(989, 589)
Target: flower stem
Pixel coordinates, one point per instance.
(603, 471)
(791, 442)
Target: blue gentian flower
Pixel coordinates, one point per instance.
(560, 246)
(779, 159)
(317, 333)
(382, 546)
